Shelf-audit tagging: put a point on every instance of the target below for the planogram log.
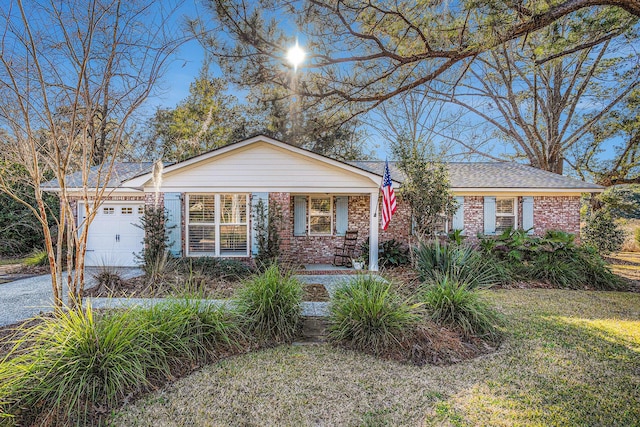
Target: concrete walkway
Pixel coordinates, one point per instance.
(23, 299)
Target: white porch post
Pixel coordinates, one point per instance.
(374, 220)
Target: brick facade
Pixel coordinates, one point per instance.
(473, 215)
(556, 213)
(550, 212)
(320, 249)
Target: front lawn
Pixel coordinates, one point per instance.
(569, 358)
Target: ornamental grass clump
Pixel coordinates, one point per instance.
(366, 315)
(269, 305)
(71, 369)
(77, 362)
(451, 303)
(192, 330)
(462, 262)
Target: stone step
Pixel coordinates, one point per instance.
(314, 328)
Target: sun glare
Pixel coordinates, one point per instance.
(295, 55)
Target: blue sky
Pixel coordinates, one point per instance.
(186, 64)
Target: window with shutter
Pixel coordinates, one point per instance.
(505, 214)
(217, 231)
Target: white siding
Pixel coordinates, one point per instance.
(264, 167)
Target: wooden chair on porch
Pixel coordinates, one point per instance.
(343, 254)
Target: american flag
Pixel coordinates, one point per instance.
(388, 197)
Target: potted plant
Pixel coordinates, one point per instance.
(358, 263)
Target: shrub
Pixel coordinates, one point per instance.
(637, 235)
(154, 254)
(603, 233)
(366, 315)
(66, 368)
(269, 305)
(391, 253)
(268, 222)
(37, 259)
(451, 303)
(457, 261)
(553, 258)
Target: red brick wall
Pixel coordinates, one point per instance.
(549, 213)
(400, 225)
(473, 216)
(556, 213)
(320, 249)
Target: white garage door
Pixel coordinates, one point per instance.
(114, 238)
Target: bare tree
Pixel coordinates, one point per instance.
(366, 52)
(545, 109)
(72, 75)
(415, 116)
(610, 154)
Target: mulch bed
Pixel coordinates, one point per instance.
(208, 287)
(315, 292)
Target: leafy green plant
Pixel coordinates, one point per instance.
(367, 315)
(459, 262)
(452, 303)
(37, 259)
(602, 232)
(456, 237)
(391, 253)
(269, 305)
(553, 258)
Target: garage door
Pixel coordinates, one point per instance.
(114, 238)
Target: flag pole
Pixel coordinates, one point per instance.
(375, 214)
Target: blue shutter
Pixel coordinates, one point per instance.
(490, 215)
(299, 215)
(173, 208)
(527, 214)
(342, 215)
(458, 216)
(255, 199)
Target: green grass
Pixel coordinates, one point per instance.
(569, 358)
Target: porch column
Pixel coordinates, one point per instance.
(373, 231)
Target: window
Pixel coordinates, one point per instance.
(505, 214)
(109, 211)
(126, 211)
(320, 215)
(140, 210)
(233, 224)
(441, 226)
(217, 224)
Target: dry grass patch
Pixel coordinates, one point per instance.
(570, 358)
